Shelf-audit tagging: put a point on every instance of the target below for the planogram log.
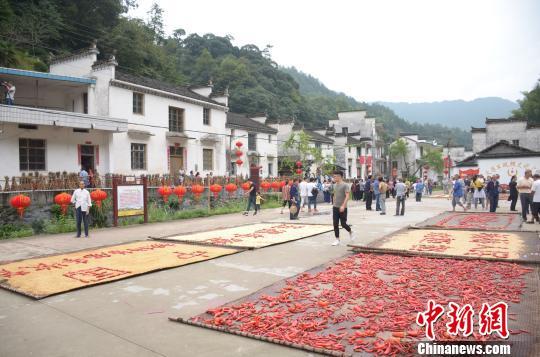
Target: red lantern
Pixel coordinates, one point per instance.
(239, 153)
(63, 200)
(239, 162)
(180, 191)
(299, 164)
(276, 185)
(446, 171)
(299, 171)
(231, 187)
(197, 190)
(282, 184)
(246, 186)
(216, 189)
(20, 202)
(265, 185)
(98, 196)
(165, 192)
(239, 144)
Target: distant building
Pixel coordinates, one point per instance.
(513, 130)
(259, 141)
(417, 148)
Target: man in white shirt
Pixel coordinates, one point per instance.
(81, 200)
(311, 199)
(524, 186)
(535, 194)
(302, 187)
(401, 190)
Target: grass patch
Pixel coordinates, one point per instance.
(60, 225)
(8, 231)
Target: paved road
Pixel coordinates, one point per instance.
(129, 317)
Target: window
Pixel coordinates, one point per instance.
(208, 159)
(349, 149)
(27, 126)
(318, 146)
(138, 156)
(252, 142)
(85, 103)
(515, 142)
(31, 154)
(138, 103)
(78, 130)
(270, 169)
(349, 168)
(176, 119)
(269, 139)
(206, 116)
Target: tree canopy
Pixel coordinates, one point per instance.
(529, 106)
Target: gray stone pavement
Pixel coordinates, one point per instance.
(129, 317)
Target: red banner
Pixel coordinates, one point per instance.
(469, 172)
(369, 160)
(362, 159)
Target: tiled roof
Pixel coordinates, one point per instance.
(477, 130)
(504, 149)
(504, 120)
(318, 137)
(243, 122)
(163, 86)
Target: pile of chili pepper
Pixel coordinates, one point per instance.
(369, 303)
(483, 221)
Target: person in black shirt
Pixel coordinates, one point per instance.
(252, 195)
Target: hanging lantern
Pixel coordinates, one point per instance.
(231, 187)
(246, 186)
(165, 192)
(265, 185)
(299, 171)
(239, 153)
(63, 200)
(239, 144)
(276, 185)
(216, 189)
(197, 190)
(20, 202)
(282, 183)
(180, 191)
(299, 164)
(98, 196)
(239, 162)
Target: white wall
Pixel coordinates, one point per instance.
(506, 167)
(61, 148)
(155, 119)
(264, 148)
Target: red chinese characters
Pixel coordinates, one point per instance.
(95, 275)
(461, 319)
(197, 253)
(494, 318)
(429, 317)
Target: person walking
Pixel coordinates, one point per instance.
(419, 188)
(286, 195)
(535, 194)
(294, 200)
(302, 186)
(513, 197)
(383, 189)
(82, 201)
(493, 193)
(252, 195)
(524, 186)
(479, 195)
(377, 194)
(342, 192)
(326, 191)
(313, 191)
(361, 188)
(84, 177)
(458, 190)
(368, 191)
(401, 190)
(258, 201)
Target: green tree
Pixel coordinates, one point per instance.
(529, 106)
(155, 22)
(399, 150)
(433, 158)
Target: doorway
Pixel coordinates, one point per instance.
(88, 157)
(176, 159)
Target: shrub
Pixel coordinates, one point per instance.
(60, 225)
(15, 231)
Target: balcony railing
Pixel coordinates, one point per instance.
(39, 116)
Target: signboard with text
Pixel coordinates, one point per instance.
(129, 198)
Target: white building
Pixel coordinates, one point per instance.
(358, 148)
(417, 147)
(87, 113)
(287, 127)
(515, 131)
(259, 144)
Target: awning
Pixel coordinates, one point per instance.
(177, 135)
(139, 133)
(210, 138)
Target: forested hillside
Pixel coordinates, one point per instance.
(33, 31)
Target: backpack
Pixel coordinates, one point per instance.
(314, 191)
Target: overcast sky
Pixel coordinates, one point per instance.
(383, 50)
